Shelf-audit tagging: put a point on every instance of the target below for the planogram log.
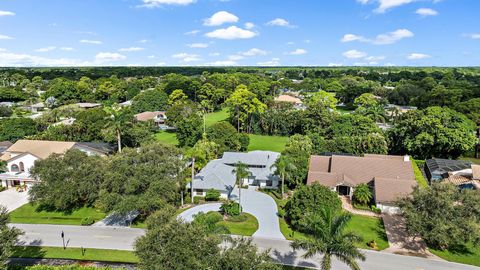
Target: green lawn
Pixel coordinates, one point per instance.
(368, 228)
(167, 137)
(471, 159)
(268, 143)
(416, 164)
(104, 255)
(469, 256)
(245, 228)
(215, 117)
(27, 214)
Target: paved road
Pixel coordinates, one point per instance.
(123, 238)
(262, 206)
(12, 199)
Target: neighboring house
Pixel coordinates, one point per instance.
(21, 157)
(391, 177)
(390, 108)
(65, 122)
(7, 104)
(219, 174)
(461, 173)
(438, 169)
(297, 103)
(158, 117)
(87, 105)
(35, 108)
(127, 103)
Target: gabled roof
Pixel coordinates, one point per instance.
(40, 149)
(388, 190)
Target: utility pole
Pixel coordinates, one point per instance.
(193, 175)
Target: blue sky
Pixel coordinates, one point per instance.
(239, 32)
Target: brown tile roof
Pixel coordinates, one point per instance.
(41, 149)
(146, 116)
(288, 98)
(476, 171)
(5, 144)
(388, 190)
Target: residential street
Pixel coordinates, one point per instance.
(123, 238)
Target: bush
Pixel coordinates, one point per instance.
(87, 221)
(376, 209)
(310, 199)
(197, 199)
(2, 188)
(230, 208)
(212, 195)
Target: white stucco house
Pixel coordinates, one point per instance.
(22, 155)
(219, 174)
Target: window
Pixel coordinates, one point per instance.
(22, 167)
(14, 168)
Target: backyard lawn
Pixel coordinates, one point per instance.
(27, 214)
(244, 228)
(469, 256)
(215, 117)
(267, 143)
(167, 137)
(104, 255)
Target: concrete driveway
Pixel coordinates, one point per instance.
(260, 205)
(12, 199)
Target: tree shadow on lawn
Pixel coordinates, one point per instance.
(29, 250)
(458, 250)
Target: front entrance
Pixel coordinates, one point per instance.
(16, 183)
(343, 190)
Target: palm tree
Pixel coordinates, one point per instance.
(118, 118)
(328, 237)
(241, 172)
(376, 113)
(363, 194)
(283, 169)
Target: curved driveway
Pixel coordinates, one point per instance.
(260, 205)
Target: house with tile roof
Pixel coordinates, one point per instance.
(390, 177)
(22, 155)
(158, 118)
(219, 174)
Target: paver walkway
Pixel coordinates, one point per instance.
(347, 205)
(12, 199)
(399, 240)
(260, 205)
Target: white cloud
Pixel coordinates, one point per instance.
(186, 57)
(472, 36)
(382, 39)
(375, 58)
(161, 64)
(418, 56)
(230, 33)
(143, 41)
(223, 63)
(426, 12)
(158, 3)
(280, 22)
(354, 54)
(67, 49)
(46, 49)
(131, 49)
(4, 37)
(235, 57)
(6, 13)
(254, 52)
(17, 60)
(220, 18)
(3, 50)
(249, 25)
(273, 62)
(385, 5)
(87, 41)
(198, 45)
(151, 56)
(335, 64)
(107, 57)
(214, 54)
(192, 33)
(297, 52)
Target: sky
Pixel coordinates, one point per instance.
(239, 32)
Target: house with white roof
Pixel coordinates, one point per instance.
(219, 174)
(22, 155)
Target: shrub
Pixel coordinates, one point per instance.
(2, 188)
(362, 194)
(230, 208)
(376, 209)
(87, 221)
(310, 199)
(197, 199)
(212, 195)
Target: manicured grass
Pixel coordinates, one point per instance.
(104, 255)
(471, 159)
(167, 137)
(268, 143)
(369, 228)
(215, 117)
(244, 228)
(27, 214)
(469, 256)
(422, 182)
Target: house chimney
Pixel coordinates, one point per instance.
(406, 158)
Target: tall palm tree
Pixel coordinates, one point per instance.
(241, 172)
(283, 169)
(329, 238)
(117, 120)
